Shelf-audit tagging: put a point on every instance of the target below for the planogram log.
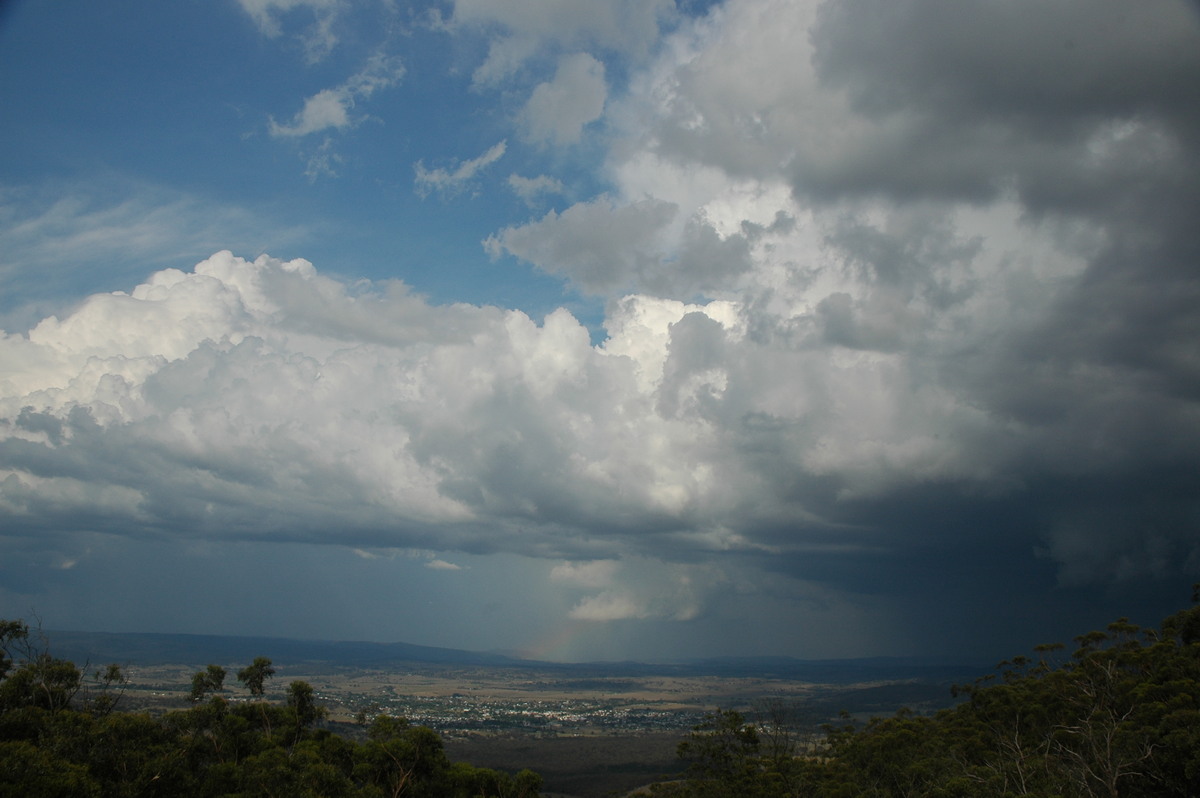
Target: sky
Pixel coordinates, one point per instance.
(601, 329)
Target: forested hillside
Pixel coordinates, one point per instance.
(1118, 717)
(61, 734)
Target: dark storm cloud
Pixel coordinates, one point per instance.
(903, 311)
(1016, 60)
(975, 98)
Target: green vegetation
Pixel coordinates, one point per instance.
(60, 735)
(1120, 717)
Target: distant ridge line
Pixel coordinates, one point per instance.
(160, 648)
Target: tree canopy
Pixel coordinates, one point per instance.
(58, 739)
(1118, 717)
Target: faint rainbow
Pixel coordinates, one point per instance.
(558, 641)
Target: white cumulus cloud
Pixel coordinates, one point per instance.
(520, 29)
(450, 181)
(875, 303)
(607, 606)
(530, 189)
(318, 36)
(558, 110)
(330, 108)
(598, 573)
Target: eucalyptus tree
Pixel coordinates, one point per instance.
(255, 674)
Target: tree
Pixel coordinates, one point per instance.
(14, 639)
(255, 675)
(44, 682)
(52, 746)
(1119, 717)
(301, 699)
(27, 769)
(724, 752)
(111, 685)
(209, 680)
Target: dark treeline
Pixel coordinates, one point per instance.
(1118, 717)
(62, 735)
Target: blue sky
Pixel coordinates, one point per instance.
(595, 330)
(197, 104)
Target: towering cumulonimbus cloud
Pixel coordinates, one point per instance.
(898, 297)
(968, 231)
(869, 357)
(271, 399)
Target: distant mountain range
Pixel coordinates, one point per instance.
(182, 649)
(99, 648)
